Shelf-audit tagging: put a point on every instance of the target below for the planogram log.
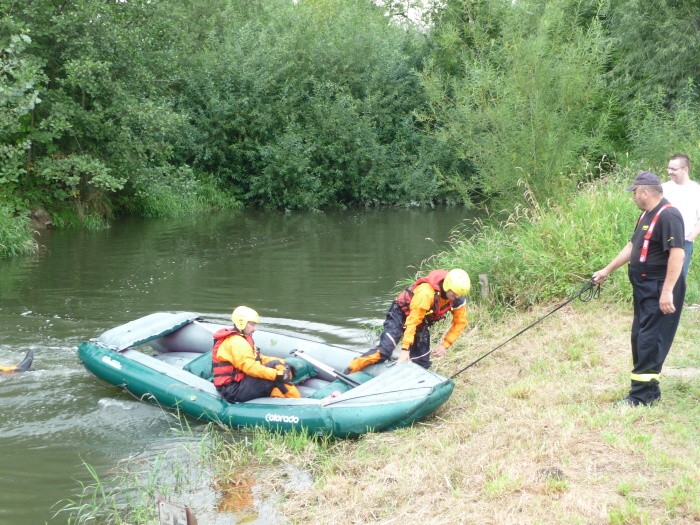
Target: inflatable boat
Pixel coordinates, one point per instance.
(165, 358)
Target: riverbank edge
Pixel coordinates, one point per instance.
(531, 435)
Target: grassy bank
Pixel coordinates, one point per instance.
(544, 253)
(15, 234)
(531, 435)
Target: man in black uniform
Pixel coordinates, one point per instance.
(655, 255)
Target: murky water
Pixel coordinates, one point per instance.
(330, 275)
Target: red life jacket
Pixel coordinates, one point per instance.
(224, 372)
(435, 279)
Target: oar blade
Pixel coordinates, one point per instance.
(326, 368)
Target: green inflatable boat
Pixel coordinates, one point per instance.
(165, 358)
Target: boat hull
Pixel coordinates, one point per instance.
(391, 396)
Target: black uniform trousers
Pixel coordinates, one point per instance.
(652, 332)
(251, 387)
(247, 389)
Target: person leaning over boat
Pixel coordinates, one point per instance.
(411, 314)
(241, 372)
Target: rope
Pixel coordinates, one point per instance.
(588, 292)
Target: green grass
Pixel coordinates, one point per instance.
(70, 218)
(529, 433)
(16, 237)
(182, 195)
(542, 254)
(208, 458)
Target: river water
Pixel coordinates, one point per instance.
(329, 275)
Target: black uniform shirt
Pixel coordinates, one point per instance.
(668, 233)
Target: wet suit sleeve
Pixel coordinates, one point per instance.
(421, 303)
(459, 323)
(237, 351)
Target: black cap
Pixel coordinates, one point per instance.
(644, 178)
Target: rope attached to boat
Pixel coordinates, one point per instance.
(588, 292)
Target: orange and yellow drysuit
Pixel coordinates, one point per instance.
(409, 318)
(242, 373)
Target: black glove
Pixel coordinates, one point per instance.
(285, 376)
(281, 386)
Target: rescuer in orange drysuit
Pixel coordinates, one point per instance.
(411, 314)
(241, 372)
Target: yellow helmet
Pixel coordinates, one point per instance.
(457, 280)
(243, 315)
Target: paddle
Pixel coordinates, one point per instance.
(23, 366)
(322, 366)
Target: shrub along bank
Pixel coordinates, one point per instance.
(159, 108)
(539, 255)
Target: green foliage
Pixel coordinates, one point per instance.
(65, 218)
(106, 116)
(81, 180)
(308, 104)
(15, 234)
(176, 193)
(280, 104)
(167, 107)
(656, 134)
(20, 81)
(654, 48)
(540, 255)
(528, 104)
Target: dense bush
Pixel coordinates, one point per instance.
(104, 130)
(279, 104)
(309, 105)
(164, 107)
(518, 90)
(655, 48)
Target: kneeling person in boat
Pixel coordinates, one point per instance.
(241, 372)
(411, 314)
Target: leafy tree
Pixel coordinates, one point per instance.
(104, 127)
(527, 105)
(655, 48)
(656, 133)
(20, 81)
(309, 104)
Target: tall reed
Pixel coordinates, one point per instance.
(15, 235)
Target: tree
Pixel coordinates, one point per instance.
(308, 104)
(20, 82)
(522, 98)
(655, 48)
